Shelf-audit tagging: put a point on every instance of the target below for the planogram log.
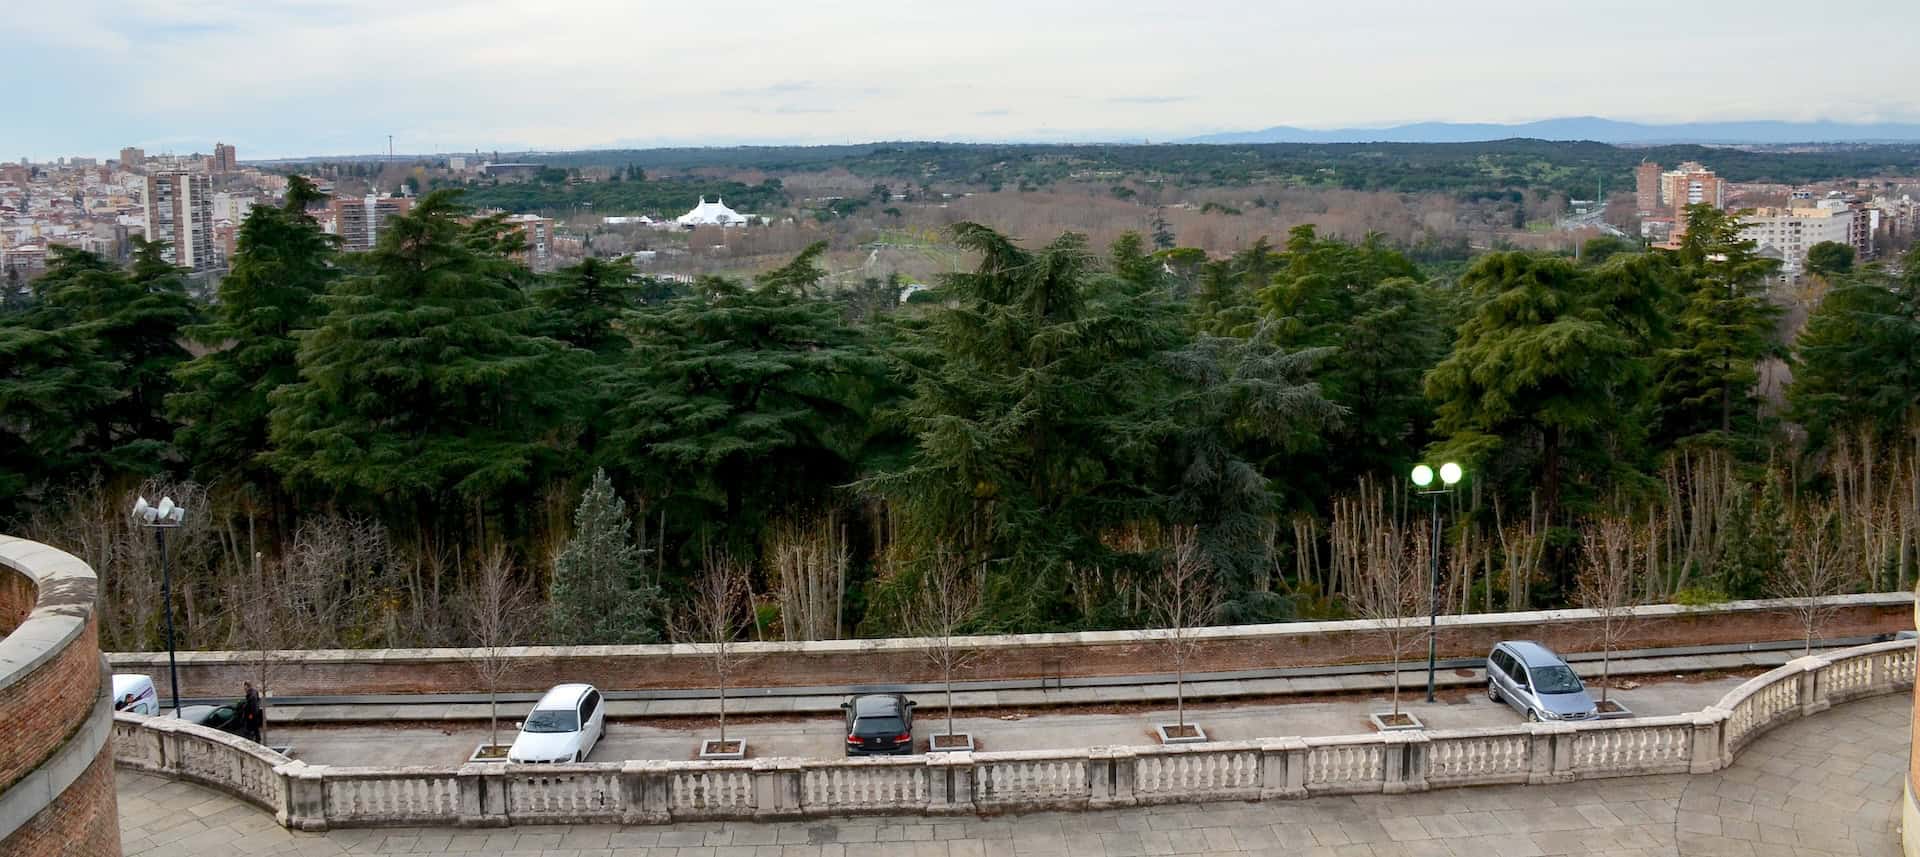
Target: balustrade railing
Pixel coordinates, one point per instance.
(479, 795)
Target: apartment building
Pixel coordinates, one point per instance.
(1790, 232)
(358, 222)
(179, 211)
(536, 234)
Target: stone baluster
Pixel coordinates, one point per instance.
(305, 807)
(950, 778)
(646, 792)
(1813, 696)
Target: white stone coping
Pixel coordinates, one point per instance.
(64, 593)
(1274, 632)
(40, 788)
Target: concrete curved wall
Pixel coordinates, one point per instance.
(56, 718)
(1910, 809)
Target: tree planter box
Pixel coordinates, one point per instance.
(490, 753)
(1612, 710)
(732, 748)
(1173, 733)
(950, 742)
(1402, 722)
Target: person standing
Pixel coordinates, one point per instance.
(252, 718)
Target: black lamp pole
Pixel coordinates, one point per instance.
(166, 598)
(1433, 591)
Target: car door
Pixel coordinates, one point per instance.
(1512, 687)
(589, 730)
(1523, 688)
(597, 715)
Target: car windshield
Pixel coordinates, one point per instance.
(878, 726)
(1555, 679)
(551, 720)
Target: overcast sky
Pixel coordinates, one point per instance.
(299, 77)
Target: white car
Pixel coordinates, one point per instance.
(135, 693)
(562, 727)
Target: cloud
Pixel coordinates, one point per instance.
(997, 111)
(1150, 99)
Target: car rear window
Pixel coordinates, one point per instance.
(552, 720)
(878, 726)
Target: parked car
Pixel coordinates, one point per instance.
(225, 718)
(135, 693)
(879, 724)
(563, 726)
(1536, 682)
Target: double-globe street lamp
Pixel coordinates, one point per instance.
(160, 519)
(1422, 478)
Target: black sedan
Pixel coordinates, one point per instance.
(879, 724)
(225, 718)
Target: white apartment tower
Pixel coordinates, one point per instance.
(179, 208)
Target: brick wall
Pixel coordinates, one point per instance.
(16, 600)
(39, 713)
(204, 674)
(84, 822)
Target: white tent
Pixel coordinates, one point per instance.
(714, 213)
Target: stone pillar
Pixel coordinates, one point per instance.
(1406, 762)
(1709, 741)
(1125, 763)
(950, 776)
(1283, 768)
(482, 788)
(776, 788)
(1550, 753)
(1100, 779)
(1813, 696)
(305, 806)
(645, 790)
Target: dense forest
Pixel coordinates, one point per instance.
(357, 437)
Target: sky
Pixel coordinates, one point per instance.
(284, 78)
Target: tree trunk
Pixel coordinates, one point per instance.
(493, 716)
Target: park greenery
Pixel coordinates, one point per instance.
(359, 437)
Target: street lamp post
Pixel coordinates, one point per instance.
(160, 519)
(1422, 477)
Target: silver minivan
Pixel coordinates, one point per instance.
(1536, 682)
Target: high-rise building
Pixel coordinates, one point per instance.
(358, 221)
(1646, 188)
(1790, 232)
(223, 160)
(1691, 184)
(536, 238)
(132, 158)
(179, 207)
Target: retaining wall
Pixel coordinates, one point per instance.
(1017, 656)
(56, 759)
(318, 797)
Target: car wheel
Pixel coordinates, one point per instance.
(1493, 691)
(1533, 716)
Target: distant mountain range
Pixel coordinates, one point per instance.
(1587, 128)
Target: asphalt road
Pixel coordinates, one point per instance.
(821, 737)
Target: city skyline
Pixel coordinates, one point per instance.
(298, 78)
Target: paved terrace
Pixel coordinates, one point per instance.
(1829, 784)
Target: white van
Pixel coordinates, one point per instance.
(135, 693)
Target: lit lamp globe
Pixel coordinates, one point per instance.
(1450, 473)
(1422, 475)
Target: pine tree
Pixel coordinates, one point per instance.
(51, 383)
(1705, 387)
(283, 265)
(600, 592)
(1857, 362)
(135, 322)
(585, 303)
(422, 384)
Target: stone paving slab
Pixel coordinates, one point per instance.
(1828, 785)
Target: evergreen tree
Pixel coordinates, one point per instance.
(585, 305)
(51, 383)
(738, 402)
(1706, 378)
(600, 592)
(422, 384)
(1546, 361)
(1830, 258)
(1857, 362)
(800, 276)
(282, 266)
(135, 322)
(1033, 403)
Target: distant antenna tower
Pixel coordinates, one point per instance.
(389, 147)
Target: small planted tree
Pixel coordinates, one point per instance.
(1185, 601)
(714, 619)
(499, 613)
(1609, 557)
(1817, 568)
(600, 592)
(1392, 589)
(948, 598)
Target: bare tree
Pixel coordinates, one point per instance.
(1817, 567)
(1609, 549)
(948, 598)
(808, 565)
(714, 619)
(1392, 590)
(499, 614)
(1185, 601)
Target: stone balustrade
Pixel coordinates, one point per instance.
(313, 797)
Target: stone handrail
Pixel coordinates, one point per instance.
(318, 797)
